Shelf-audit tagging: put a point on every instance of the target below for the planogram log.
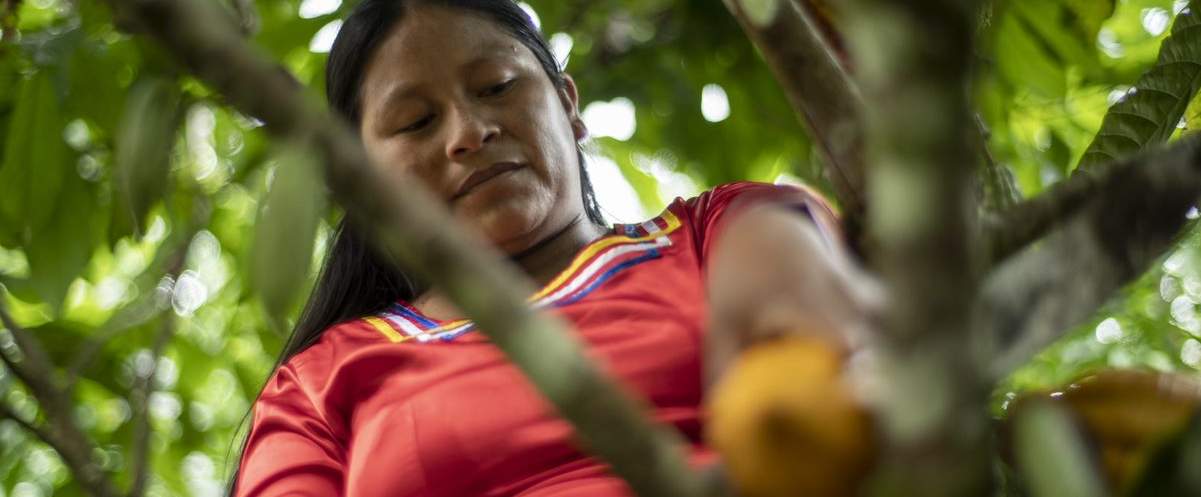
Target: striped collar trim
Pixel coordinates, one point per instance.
(595, 264)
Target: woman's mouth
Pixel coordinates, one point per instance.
(479, 177)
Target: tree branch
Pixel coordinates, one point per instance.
(33, 367)
(410, 227)
(914, 60)
(141, 311)
(51, 438)
(820, 91)
(1123, 217)
(72, 444)
(144, 386)
(8, 21)
(6, 411)
(1007, 231)
(143, 390)
(247, 16)
(999, 191)
(1142, 119)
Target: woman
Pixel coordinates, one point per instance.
(384, 390)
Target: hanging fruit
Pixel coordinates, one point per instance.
(787, 423)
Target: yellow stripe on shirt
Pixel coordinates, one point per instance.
(672, 223)
(385, 328)
(564, 277)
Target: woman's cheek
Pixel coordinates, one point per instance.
(383, 155)
(515, 222)
(393, 159)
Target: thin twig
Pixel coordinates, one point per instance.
(142, 310)
(821, 93)
(49, 437)
(143, 390)
(6, 411)
(72, 444)
(129, 317)
(999, 190)
(33, 367)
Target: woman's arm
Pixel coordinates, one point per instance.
(290, 450)
(771, 273)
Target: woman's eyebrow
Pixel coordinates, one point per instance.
(396, 92)
(492, 56)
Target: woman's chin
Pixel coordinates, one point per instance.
(509, 215)
(510, 228)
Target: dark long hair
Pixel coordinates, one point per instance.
(355, 280)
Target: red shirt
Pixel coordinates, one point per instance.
(398, 404)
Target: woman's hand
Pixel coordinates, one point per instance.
(770, 274)
(786, 309)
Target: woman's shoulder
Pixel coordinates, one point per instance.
(726, 195)
(317, 362)
(708, 206)
(704, 214)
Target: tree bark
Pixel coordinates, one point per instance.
(998, 188)
(913, 62)
(8, 21)
(35, 370)
(820, 91)
(1121, 218)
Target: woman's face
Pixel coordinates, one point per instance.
(453, 100)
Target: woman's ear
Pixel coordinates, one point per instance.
(569, 97)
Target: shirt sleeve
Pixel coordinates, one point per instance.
(711, 209)
(290, 451)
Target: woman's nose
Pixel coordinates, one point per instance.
(469, 133)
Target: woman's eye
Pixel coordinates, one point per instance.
(416, 126)
(497, 89)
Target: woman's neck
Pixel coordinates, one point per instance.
(545, 259)
(541, 262)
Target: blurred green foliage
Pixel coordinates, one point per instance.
(115, 165)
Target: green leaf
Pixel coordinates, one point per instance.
(1037, 41)
(21, 288)
(286, 229)
(281, 38)
(1192, 115)
(1025, 62)
(1052, 456)
(58, 251)
(35, 158)
(1066, 29)
(94, 73)
(144, 142)
(1085, 17)
(1149, 114)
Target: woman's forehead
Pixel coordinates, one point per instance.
(431, 42)
(447, 36)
